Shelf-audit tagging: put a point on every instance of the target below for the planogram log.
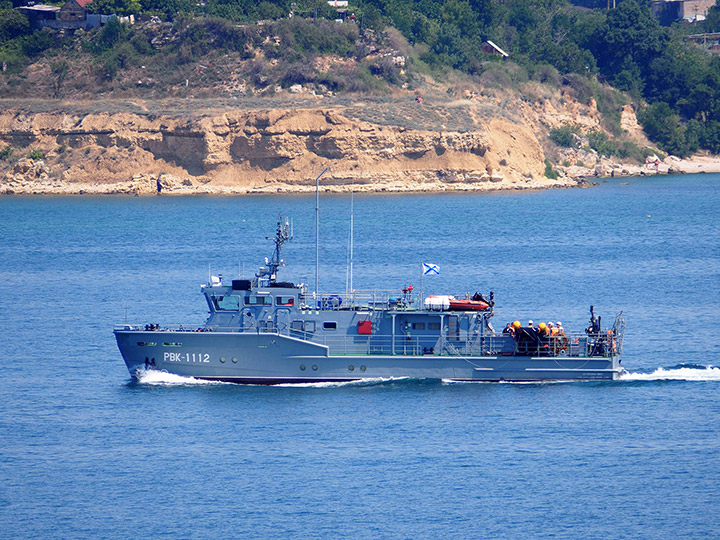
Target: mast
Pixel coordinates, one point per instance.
(317, 230)
(282, 235)
(349, 270)
(352, 241)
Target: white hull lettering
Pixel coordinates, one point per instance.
(187, 358)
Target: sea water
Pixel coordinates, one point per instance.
(86, 452)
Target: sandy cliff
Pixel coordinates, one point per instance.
(464, 141)
(271, 149)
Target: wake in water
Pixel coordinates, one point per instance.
(681, 373)
(154, 377)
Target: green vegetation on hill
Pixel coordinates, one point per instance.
(553, 41)
(626, 47)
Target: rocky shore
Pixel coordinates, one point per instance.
(32, 178)
(402, 146)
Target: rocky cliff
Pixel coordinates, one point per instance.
(401, 145)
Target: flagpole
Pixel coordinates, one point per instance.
(422, 286)
(317, 231)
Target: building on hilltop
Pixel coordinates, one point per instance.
(709, 41)
(72, 10)
(682, 10)
(39, 15)
(490, 48)
(70, 16)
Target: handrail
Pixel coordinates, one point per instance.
(359, 298)
(607, 344)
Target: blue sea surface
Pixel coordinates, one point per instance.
(86, 452)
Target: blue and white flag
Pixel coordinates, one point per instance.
(430, 269)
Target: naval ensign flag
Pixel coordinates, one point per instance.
(428, 270)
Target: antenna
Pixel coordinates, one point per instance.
(317, 230)
(352, 242)
(282, 235)
(348, 271)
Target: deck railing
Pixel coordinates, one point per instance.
(607, 344)
(370, 298)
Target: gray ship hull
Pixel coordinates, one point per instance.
(273, 358)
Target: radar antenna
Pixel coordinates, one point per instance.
(282, 235)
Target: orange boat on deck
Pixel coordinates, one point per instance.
(468, 305)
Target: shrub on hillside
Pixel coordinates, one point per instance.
(317, 37)
(210, 33)
(298, 73)
(565, 136)
(550, 173)
(110, 34)
(546, 74)
(386, 69)
(579, 87)
(663, 126)
(602, 144)
(168, 9)
(13, 24)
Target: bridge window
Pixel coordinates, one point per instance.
(309, 326)
(253, 300)
(226, 303)
(418, 326)
(285, 301)
(434, 326)
(330, 325)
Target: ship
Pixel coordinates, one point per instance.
(267, 331)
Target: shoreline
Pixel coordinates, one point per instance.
(571, 177)
(697, 164)
(170, 187)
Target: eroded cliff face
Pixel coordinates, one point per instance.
(240, 151)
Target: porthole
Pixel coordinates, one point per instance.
(363, 368)
(351, 368)
(303, 367)
(235, 359)
(222, 359)
(315, 367)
